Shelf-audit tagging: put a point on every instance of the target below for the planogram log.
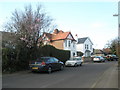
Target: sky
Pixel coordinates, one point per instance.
(86, 18)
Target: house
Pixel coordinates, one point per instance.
(107, 51)
(98, 52)
(60, 40)
(85, 46)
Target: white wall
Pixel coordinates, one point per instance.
(81, 47)
(87, 42)
(72, 47)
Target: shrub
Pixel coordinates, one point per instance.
(8, 60)
(51, 51)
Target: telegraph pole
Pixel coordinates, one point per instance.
(118, 45)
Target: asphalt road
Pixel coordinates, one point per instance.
(90, 75)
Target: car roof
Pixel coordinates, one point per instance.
(76, 57)
(98, 56)
(46, 57)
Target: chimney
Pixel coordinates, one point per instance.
(56, 31)
(61, 31)
(76, 38)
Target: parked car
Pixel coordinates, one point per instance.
(47, 64)
(111, 57)
(98, 59)
(74, 61)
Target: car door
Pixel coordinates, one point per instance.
(78, 61)
(52, 62)
(57, 64)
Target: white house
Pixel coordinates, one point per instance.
(85, 46)
(70, 44)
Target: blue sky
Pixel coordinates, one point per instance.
(93, 19)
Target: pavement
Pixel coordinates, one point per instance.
(109, 77)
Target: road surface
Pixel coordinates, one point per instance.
(90, 75)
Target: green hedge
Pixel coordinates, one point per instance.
(14, 60)
(51, 51)
(10, 62)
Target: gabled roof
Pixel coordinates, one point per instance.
(82, 40)
(60, 35)
(98, 51)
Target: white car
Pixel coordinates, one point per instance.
(74, 61)
(98, 59)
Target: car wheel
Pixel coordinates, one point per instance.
(49, 70)
(33, 71)
(81, 64)
(75, 64)
(61, 67)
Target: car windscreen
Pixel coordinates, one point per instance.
(97, 57)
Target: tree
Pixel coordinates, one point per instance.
(27, 26)
(112, 46)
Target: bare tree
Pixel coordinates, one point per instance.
(114, 46)
(26, 27)
(29, 25)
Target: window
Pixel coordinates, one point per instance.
(87, 47)
(69, 43)
(73, 54)
(56, 60)
(66, 43)
(52, 60)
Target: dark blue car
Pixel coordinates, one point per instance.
(47, 64)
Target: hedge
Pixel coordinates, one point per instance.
(51, 51)
(12, 63)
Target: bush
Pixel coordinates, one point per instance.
(51, 51)
(13, 61)
(8, 60)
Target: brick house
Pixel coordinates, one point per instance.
(60, 40)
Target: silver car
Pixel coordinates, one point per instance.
(76, 61)
(98, 59)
